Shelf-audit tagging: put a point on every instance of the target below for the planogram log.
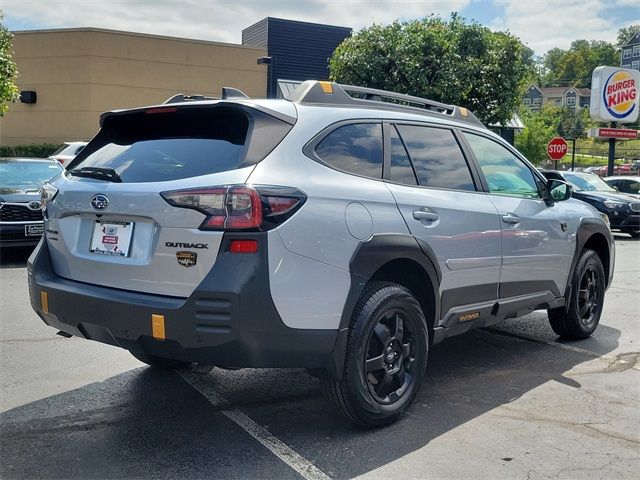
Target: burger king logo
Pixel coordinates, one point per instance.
(619, 94)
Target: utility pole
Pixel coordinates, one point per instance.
(612, 153)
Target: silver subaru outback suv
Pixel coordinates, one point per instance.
(343, 230)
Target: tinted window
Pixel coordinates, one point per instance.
(159, 147)
(354, 148)
(588, 182)
(401, 169)
(628, 186)
(437, 157)
(505, 173)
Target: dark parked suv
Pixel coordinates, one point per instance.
(344, 230)
(622, 210)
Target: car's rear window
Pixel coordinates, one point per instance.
(168, 144)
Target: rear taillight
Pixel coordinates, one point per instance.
(239, 207)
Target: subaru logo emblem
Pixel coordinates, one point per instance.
(99, 201)
(35, 205)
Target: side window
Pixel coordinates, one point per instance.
(629, 186)
(436, 157)
(505, 173)
(401, 170)
(354, 148)
(617, 184)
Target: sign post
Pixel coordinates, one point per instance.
(614, 98)
(556, 149)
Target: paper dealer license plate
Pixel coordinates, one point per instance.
(111, 238)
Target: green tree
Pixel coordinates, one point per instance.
(540, 127)
(8, 70)
(625, 33)
(450, 61)
(574, 67)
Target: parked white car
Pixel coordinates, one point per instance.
(629, 184)
(68, 152)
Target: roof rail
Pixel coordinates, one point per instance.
(315, 92)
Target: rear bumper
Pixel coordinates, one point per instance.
(230, 319)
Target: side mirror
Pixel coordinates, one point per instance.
(559, 190)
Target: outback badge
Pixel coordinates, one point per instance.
(187, 259)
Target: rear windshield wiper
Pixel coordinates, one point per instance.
(108, 174)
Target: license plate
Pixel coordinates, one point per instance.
(111, 238)
(34, 230)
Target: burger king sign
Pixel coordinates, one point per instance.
(615, 94)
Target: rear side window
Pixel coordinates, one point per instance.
(437, 157)
(401, 170)
(166, 144)
(354, 148)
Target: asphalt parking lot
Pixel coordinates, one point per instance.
(508, 402)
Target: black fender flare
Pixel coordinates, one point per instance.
(586, 229)
(366, 260)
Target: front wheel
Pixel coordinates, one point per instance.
(385, 359)
(581, 317)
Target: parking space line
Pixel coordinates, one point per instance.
(285, 453)
(563, 346)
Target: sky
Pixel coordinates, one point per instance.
(541, 24)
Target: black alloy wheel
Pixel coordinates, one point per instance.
(588, 304)
(580, 317)
(385, 359)
(390, 364)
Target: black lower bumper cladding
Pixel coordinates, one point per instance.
(230, 319)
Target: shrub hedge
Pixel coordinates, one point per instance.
(42, 150)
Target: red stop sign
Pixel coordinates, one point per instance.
(557, 148)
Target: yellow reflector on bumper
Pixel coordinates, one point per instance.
(326, 87)
(157, 326)
(44, 301)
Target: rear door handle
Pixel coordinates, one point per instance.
(511, 218)
(428, 216)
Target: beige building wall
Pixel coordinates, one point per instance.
(80, 73)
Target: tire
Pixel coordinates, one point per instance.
(634, 233)
(159, 362)
(388, 336)
(581, 317)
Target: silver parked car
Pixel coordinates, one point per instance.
(21, 223)
(344, 230)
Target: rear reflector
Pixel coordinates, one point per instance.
(157, 326)
(243, 246)
(44, 301)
